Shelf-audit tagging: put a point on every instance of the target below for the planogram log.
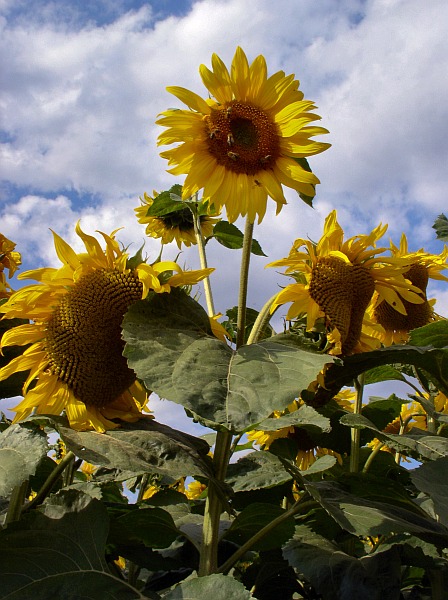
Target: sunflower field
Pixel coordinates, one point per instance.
(302, 486)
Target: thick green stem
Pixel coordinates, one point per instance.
(203, 261)
(261, 321)
(356, 433)
(244, 279)
(16, 502)
(51, 480)
(208, 562)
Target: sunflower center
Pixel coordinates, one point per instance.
(83, 338)
(343, 293)
(242, 138)
(417, 315)
(178, 219)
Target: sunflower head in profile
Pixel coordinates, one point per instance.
(246, 141)
(74, 357)
(9, 259)
(395, 326)
(170, 219)
(336, 280)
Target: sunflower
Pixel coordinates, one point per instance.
(75, 348)
(176, 225)
(247, 141)
(308, 452)
(423, 266)
(336, 279)
(9, 259)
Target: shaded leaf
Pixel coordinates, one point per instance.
(142, 447)
(252, 519)
(256, 470)
(211, 586)
(154, 527)
(435, 335)
(334, 574)
(306, 417)
(431, 479)
(22, 447)
(170, 349)
(63, 549)
(383, 373)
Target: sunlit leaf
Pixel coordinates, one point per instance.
(211, 586)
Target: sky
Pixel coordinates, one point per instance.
(82, 84)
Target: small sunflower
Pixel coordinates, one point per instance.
(9, 259)
(176, 225)
(75, 355)
(423, 266)
(336, 279)
(246, 141)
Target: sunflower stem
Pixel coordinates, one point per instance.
(203, 261)
(356, 433)
(208, 562)
(16, 502)
(50, 481)
(244, 278)
(263, 318)
(371, 458)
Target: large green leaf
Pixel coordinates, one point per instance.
(416, 443)
(256, 470)
(170, 348)
(60, 553)
(154, 527)
(142, 447)
(211, 586)
(431, 479)
(306, 417)
(252, 519)
(334, 574)
(435, 335)
(364, 517)
(22, 446)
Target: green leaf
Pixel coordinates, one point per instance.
(334, 574)
(230, 324)
(383, 373)
(170, 349)
(431, 479)
(229, 236)
(142, 447)
(167, 202)
(435, 335)
(364, 517)
(60, 552)
(416, 443)
(252, 519)
(306, 167)
(441, 227)
(22, 447)
(256, 470)
(382, 411)
(154, 527)
(211, 586)
(306, 417)
(432, 360)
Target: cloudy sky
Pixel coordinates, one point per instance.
(83, 82)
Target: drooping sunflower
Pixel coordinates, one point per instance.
(423, 266)
(176, 225)
(336, 279)
(9, 259)
(246, 141)
(75, 355)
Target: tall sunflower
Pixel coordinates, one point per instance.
(246, 141)
(423, 266)
(336, 279)
(176, 225)
(75, 355)
(9, 259)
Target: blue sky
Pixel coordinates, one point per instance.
(83, 82)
